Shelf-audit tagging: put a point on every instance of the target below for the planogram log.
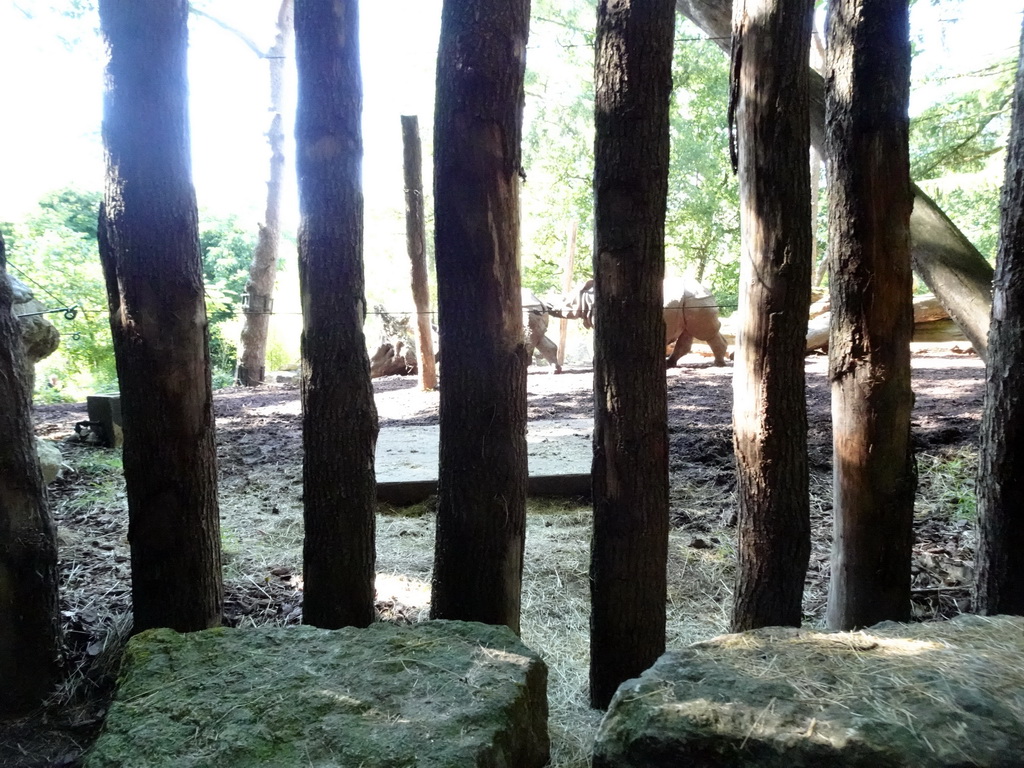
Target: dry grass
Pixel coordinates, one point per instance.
(262, 544)
(556, 598)
(914, 677)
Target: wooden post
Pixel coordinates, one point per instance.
(629, 548)
(415, 239)
(769, 105)
(570, 263)
(867, 88)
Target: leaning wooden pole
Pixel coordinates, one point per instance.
(943, 257)
(416, 244)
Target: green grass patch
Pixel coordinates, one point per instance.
(945, 484)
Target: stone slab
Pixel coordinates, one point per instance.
(929, 695)
(441, 694)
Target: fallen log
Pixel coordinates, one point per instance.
(932, 324)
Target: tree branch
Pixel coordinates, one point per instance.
(227, 27)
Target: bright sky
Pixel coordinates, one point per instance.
(52, 101)
(52, 94)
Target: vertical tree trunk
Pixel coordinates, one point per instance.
(259, 288)
(149, 247)
(339, 425)
(943, 258)
(29, 619)
(820, 268)
(999, 580)
(416, 243)
(629, 551)
(870, 199)
(570, 265)
(770, 97)
(481, 516)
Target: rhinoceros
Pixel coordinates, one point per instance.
(691, 312)
(535, 326)
(396, 353)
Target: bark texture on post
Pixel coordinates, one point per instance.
(770, 98)
(29, 618)
(149, 247)
(999, 579)
(259, 288)
(867, 93)
(943, 258)
(339, 425)
(416, 243)
(481, 516)
(629, 551)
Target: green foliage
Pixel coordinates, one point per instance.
(957, 142)
(54, 251)
(946, 483)
(702, 224)
(73, 208)
(558, 153)
(972, 202)
(279, 356)
(227, 249)
(960, 133)
(223, 351)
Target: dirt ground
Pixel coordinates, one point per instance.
(259, 451)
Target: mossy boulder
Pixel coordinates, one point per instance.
(932, 695)
(440, 693)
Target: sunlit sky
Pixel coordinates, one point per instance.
(52, 93)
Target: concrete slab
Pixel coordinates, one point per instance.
(558, 453)
(554, 447)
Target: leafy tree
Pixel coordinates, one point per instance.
(53, 250)
(558, 133)
(227, 250)
(958, 144)
(55, 253)
(702, 225)
(960, 133)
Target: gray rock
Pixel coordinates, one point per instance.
(921, 695)
(50, 459)
(441, 693)
(39, 336)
